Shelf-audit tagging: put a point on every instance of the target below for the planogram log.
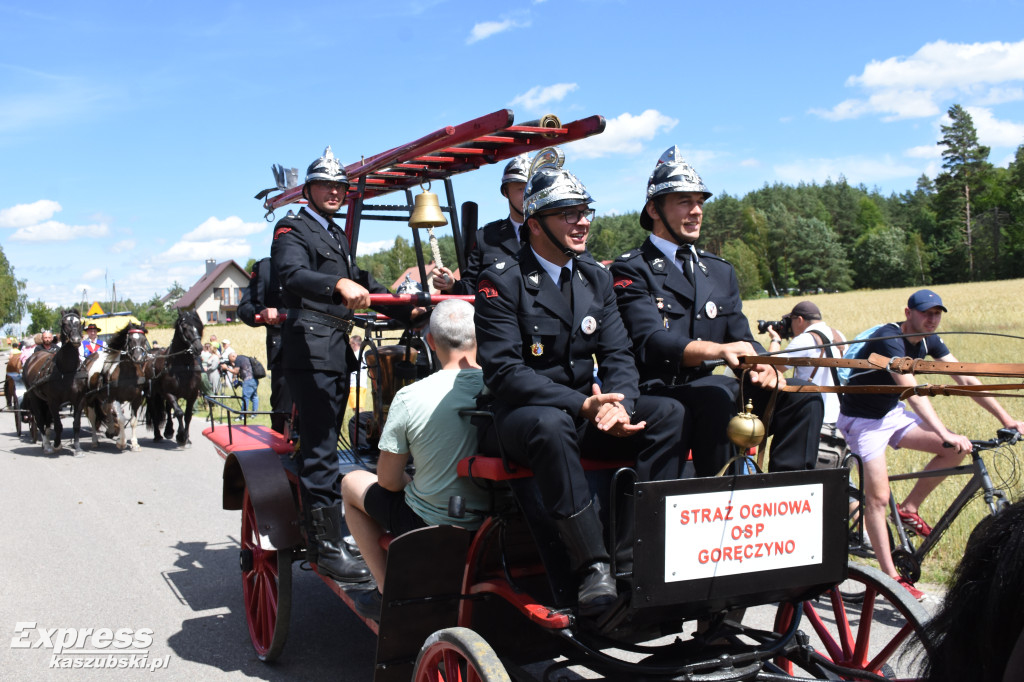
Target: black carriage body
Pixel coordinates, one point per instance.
(811, 507)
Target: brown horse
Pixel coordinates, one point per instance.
(114, 378)
(174, 373)
(52, 379)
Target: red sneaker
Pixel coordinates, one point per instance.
(914, 522)
(909, 587)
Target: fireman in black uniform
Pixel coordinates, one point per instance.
(496, 241)
(322, 287)
(540, 322)
(682, 306)
(263, 297)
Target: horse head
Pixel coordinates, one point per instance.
(189, 328)
(136, 348)
(70, 327)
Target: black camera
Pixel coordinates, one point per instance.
(783, 327)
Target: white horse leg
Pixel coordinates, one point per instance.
(121, 435)
(134, 423)
(47, 438)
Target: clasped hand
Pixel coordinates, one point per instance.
(605, 411)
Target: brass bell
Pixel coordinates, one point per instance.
(746, 430)
(426, 211)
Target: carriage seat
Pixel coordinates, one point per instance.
(230, 439)
(493, 469)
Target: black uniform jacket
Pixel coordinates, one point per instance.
(534, 352)
(264, 291)
(664, 313)
(310, 262)
(494, 242)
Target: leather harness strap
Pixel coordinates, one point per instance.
(904, 366)
(898, 365)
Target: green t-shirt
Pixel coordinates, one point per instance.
(424, 420)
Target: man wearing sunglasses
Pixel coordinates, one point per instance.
(541, 321)
(682, 307)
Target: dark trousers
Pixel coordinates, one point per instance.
(549, 441)
(713, 400)
(280, 400)
(321, 398)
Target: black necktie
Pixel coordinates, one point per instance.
(335, 232)
(688, 257)
(565, 284)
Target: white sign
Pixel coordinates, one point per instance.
(742, 531)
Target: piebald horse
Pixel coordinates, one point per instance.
(174, 373)
(114, 378)
(52, 379)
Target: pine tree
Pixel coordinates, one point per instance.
(966, 164)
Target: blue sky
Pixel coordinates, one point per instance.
(133, 136)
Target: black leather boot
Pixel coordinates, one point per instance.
(333, 558)
(588, 557)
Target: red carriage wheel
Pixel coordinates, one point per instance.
(266, 587)
(458, 655)
(852, 635)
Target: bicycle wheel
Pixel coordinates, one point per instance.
(868, 637)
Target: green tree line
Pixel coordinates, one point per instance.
(966, 224)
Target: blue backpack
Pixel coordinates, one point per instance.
(853, 349)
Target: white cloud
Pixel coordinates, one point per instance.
(924, 151)
(25, 215)
(221, 249)
(232, 226)
(95, 273)
(486, 29)
(366, 248)
(624, 134)
(123, 245)
(855, 169)
(538, 96)
(53, 231)
(940, 72)
(750, 163)
(993, 132)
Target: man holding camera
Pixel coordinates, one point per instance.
(682, 307)
(809, 333)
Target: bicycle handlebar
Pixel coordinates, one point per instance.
(1004, 436)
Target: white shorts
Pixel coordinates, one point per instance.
(868, 437)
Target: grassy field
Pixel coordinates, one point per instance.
(980, 307)
(988, 307)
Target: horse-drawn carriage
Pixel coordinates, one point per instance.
(499, 603)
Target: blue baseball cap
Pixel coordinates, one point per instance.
(925, 299)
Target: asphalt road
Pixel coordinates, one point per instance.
(137, 542)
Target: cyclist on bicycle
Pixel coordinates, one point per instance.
(871, 421)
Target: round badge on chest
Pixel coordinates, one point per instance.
(588, 325)
(711, 310)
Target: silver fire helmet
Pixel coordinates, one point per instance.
(672, 174)
(327, 169)
(550, 186)
(516, 171)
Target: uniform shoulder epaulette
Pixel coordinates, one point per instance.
(504, 266)
(629, 255)
(712, 256)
